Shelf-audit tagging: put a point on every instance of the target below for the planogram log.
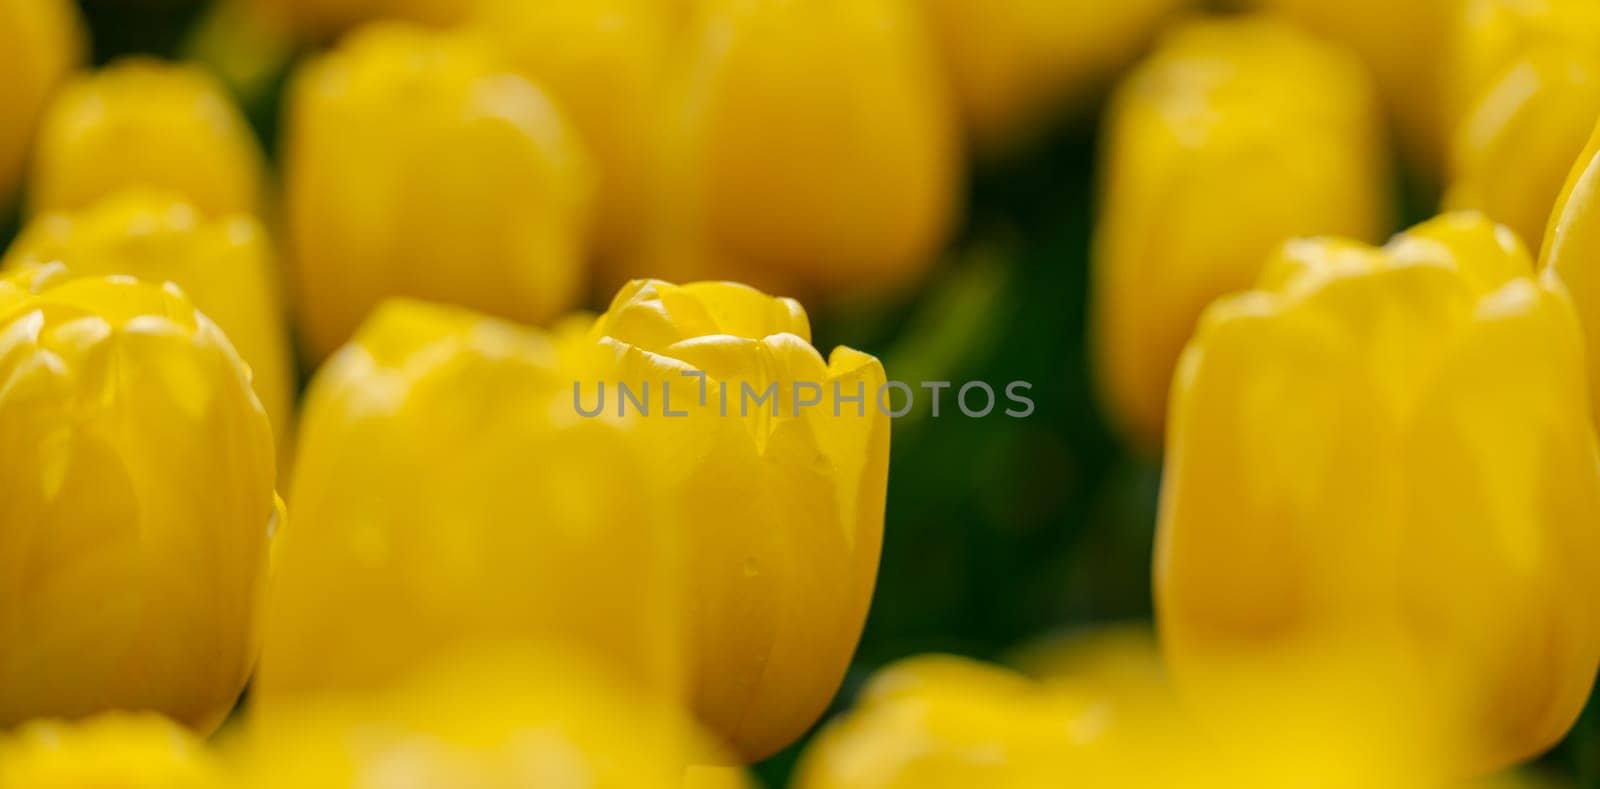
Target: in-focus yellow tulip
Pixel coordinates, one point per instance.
(779, 500)
(1401, 43)
(603, 62)
(504, 717)
(137, 507)
(1236, 135)
(1017, 63)
(322, 19)
(446, 492)
(40, 42)
(225, 265)
(112, 751)
(145, 123)
(1381, 467)
(813, 149)
(1536, 68)
(418, 166)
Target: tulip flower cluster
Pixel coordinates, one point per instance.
(309, 424)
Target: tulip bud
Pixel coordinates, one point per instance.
(144, 123)
(138, 506)
(602, 61)
(40, 42)
(1234, 136)
(813, 148)
(1381, 466)
(1016, 64)
(1533, 109)
(446, 493)
(773, 465)
(417, 166)
(112, 751)
(223, 264)
(510, 715)
(1401, 44)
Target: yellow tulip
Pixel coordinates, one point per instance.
(144, 123)
(112, 751)
(1302, 731)
(446, 493)
(225, 265)
(1569, 255)
(511, 716)
(1113, 660)
(417, 166)
(1099, 713)
(40, 42)
(1401, 43)
(812, 148)
(762, 526)
(1537, 68)
(602, 61)
(1132, 726)
(1489, 36)
(323, 19)
(1381, 467)
(136, 512)
(1017, 63)
(779, 501)
(1235, 135)
(939, 721)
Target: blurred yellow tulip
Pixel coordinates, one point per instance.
(144, 123)
(1571, 253)
(1099, 712)
(1017, 63)
(418, 166)
(1236, 135)
(40, 42)
(137, 508)
(1536, 68)
(225, 265)
(1401, 43)
(812, 149)
(1121, 661)
(938, 721)
(773, 467)
(323, 19)
(603, 62)
(1489, 36)
(446, 493)
(510, 716)
(112, 751)
(1381, 467)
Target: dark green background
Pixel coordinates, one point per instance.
(998, 530)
